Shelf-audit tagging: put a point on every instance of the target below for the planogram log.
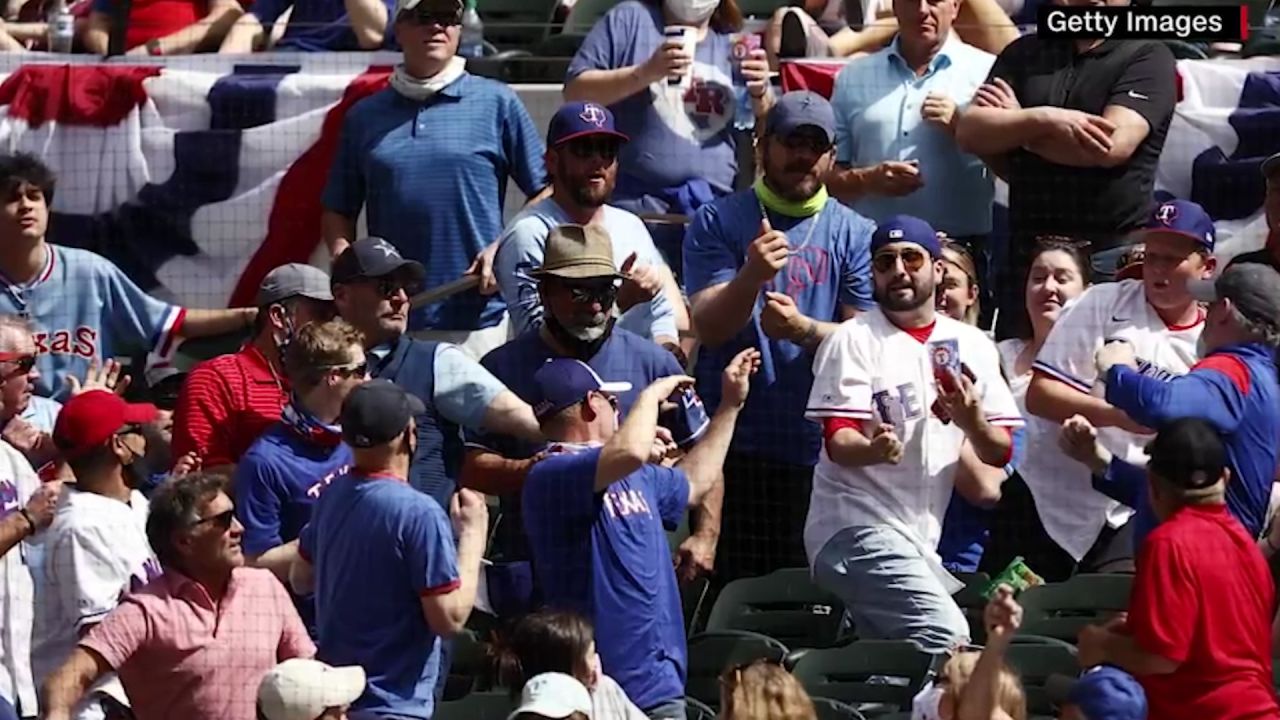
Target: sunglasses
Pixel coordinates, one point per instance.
(130, 430)
(602, 292)
(22, 362)
(912, 260)
(812, 143)
(222, 520)
(423, 17)
(389, 287)
(349, 371)
(586, 148)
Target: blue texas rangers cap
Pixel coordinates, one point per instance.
(1103, 692)
(580, 119)
(563, 382)
(797, 109)
(376, 413)
(906, 229)
(1182, 217)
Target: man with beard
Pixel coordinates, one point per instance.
(907, 396)
(578, 284)
(582, 160)
(774, 267)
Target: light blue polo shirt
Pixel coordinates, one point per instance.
(432, 179)
(877, 102)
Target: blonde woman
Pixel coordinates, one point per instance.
(763, 690)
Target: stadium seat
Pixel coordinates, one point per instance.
(516, 24)
(972, 603)
(711, 653)
(785, 605)
(698, 710)
(884, 674)
(476, 706)
(469, 668)
(828, 709)
(1059, 610)
(585, 14)
(693, 599)
(762, 9)
(1034, 663)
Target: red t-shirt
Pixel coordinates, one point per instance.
(152, 19)
(1203, 597)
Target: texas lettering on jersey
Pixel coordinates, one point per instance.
(81, 342)
(315, 490)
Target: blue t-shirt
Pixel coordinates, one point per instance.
(830, 267)
(605, 555)
(624, 357)
(378, 546)
(432, 179)
(316, 25)
(674, 136)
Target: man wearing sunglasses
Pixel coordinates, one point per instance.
(774, 267)
(195, 642)
(283, 473)
(228, 401)
(582, 159)
(372, 284)
(97, 548)
(578, 284)
(907, 396)
(428, 160)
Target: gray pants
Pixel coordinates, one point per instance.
(671, 710)
(889, 589)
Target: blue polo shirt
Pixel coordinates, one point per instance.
(624, 357)
(877, 102)
(378, 546)
(316, 25)
(829, 267)
(605, 555)
(432, 179)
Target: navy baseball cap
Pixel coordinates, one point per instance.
(563, 382)
(908, 229)
(1183, 217)
(1103, 692)
(373, 257)
(1189, 454)
(376, 413)
(580, 119)
(797, 109)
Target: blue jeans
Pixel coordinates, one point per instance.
(1103, 263)
(889, 589)
(670, 710)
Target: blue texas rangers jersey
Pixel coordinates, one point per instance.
(82, 307)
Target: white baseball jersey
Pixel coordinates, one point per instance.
(1120, 311)
(95, 551)
(17, 595)
(871, 370)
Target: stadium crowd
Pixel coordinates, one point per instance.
(838, 365)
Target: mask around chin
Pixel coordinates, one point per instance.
(927, 704)
(693, 12)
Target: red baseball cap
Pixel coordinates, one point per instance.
(89, 419)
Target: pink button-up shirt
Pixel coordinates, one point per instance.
(181, 655)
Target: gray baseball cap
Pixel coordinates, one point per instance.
(294, 280)
(1253, 288)
(799, 108)
(1271, 167)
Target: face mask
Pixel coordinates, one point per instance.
(691, 11)
(283, 340)
(927, 705)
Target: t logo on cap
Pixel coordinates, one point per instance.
(593, 114)
(1167, 213)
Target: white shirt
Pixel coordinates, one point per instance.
(1071, 511)
(95, 551)
(17, 595)
(870, 370)
(524, 244)
(1117, 310)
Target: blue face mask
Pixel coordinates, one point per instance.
(927, 704)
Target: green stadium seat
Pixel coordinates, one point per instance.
(469, 670)
(972, 603)
(874, 676)
(784, 605)
(1035, 663)
(711, 653)
(516, 24)
(476, 706)
(586, 13)
(1059, 610)
(828, 709)
(698, 710)
(693, 599)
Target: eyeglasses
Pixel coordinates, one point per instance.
(591, 292)
(585, 148)
(23, 362)
(812, 143)
(222, 520)
(912, 260)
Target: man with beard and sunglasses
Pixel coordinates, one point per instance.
(582, 160)
(908, 397)
(774, 267)
(428, 160)
(96, 549)
(228, 401)
(195, 642)
(578, 283)
(371, 286)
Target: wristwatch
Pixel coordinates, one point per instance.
(153, 47)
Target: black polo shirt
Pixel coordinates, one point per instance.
(1099, 204)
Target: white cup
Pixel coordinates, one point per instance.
(688, 36)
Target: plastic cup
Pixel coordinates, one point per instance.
(689, 38)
